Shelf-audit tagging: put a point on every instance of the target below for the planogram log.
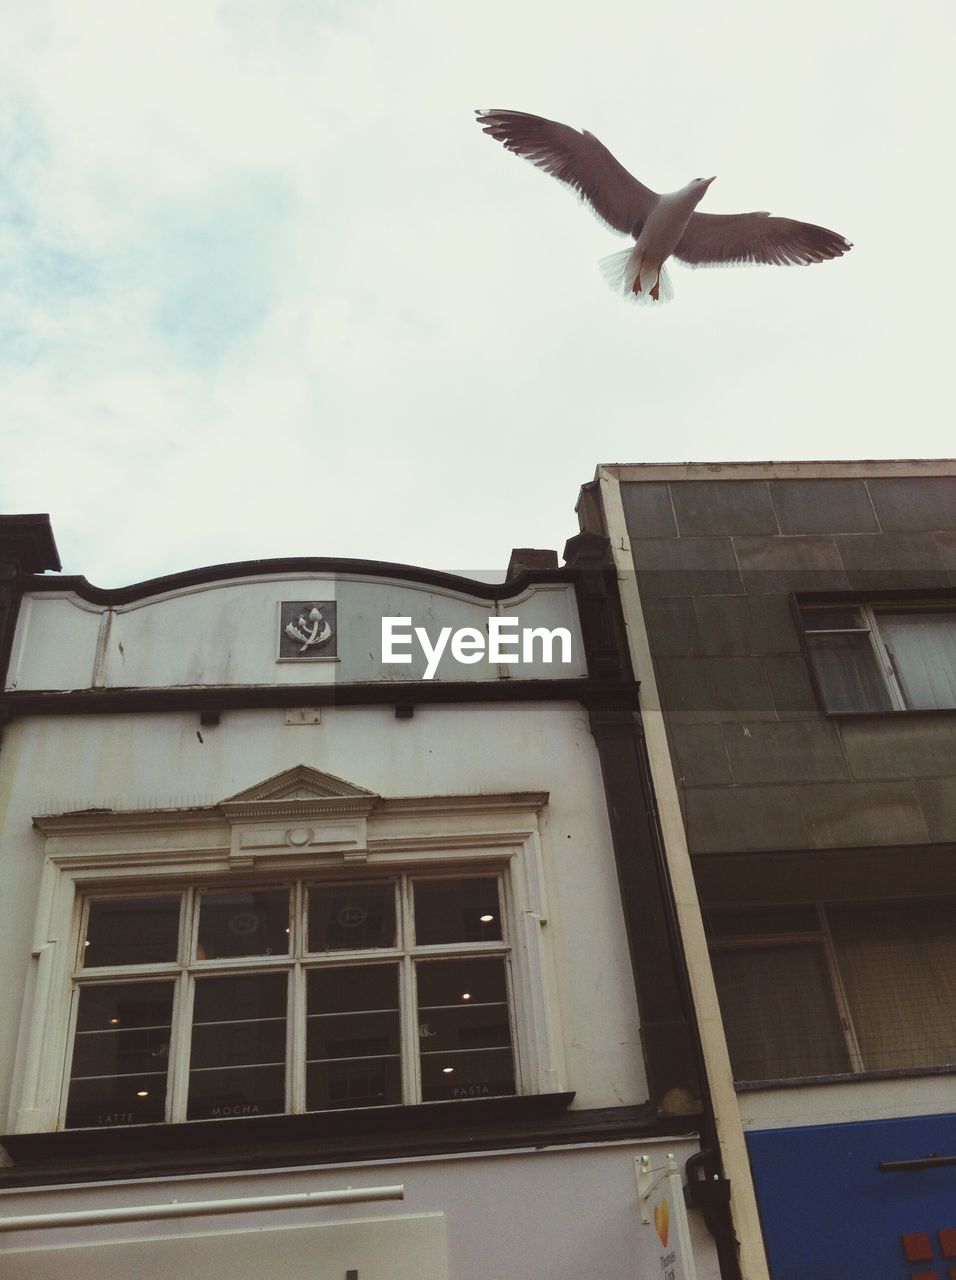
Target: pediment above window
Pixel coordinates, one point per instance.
(300, 791)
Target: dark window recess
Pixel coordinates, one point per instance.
(779, 1013)
(237, 1063)
(457, 911)
(874, 989)
(120, 1054)
(131, 931)
(243, 924)
(353, 1037)
(871, 657)
(351, 917)
(463, 1029)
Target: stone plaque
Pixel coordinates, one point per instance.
(307, 630)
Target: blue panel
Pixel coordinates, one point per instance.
(829, 1214)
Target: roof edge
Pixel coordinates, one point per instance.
(862, 469)
(300, 565)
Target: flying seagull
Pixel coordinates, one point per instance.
(661, 225)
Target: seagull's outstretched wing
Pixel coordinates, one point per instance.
(578, 159)
(721, 239)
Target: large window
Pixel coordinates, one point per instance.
(876, 657)
(238, 1000)
(820, 990)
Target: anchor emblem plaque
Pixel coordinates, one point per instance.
(307, 630)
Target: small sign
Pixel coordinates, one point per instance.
(307, 630)
(661, 1193)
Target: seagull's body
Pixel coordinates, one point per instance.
(661, 226)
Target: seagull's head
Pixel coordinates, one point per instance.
(698, 187)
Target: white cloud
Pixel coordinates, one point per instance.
(270, 291)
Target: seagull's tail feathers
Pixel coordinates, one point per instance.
(626, 274)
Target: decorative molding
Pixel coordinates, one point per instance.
(298, 793)
(509, 802)
(290, 813)
(301, 566)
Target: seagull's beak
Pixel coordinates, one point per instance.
(710, 180)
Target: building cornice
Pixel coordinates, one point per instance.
(863, 469)
(119, 821)
(299, 566)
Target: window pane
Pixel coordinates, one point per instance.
(131, 931)
(351, 917)
(348, 1082)
(464, 1033)
(353, 1037)
(236, 1091)
(779, 1013)
(848, 673)
(120, 1054)
(457, 910)
(243, 924)
(898, 963)
(238, 1046)
(923, 649)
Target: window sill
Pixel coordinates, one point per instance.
(845, 1077)
(907, 713)
(264, 1142)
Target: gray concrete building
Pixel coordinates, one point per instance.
(793, 629)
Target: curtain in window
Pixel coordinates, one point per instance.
(923, 649)
(779, 1012)
(898, 963)
(847, 671)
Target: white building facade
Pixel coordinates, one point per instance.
(322, 960)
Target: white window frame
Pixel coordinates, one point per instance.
(186, 969)
(274, 840)
(869, 613)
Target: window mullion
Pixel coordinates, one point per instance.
(411, 1067)
(839, 991)
(180, 1043)
(884, 658)
(408, 1001)
(180, 1040)
(188, 925)
(68, 1060)
(516, 1054)
(297, 1025)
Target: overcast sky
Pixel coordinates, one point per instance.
(266, 289)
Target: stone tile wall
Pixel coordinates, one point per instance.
(760, 765)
